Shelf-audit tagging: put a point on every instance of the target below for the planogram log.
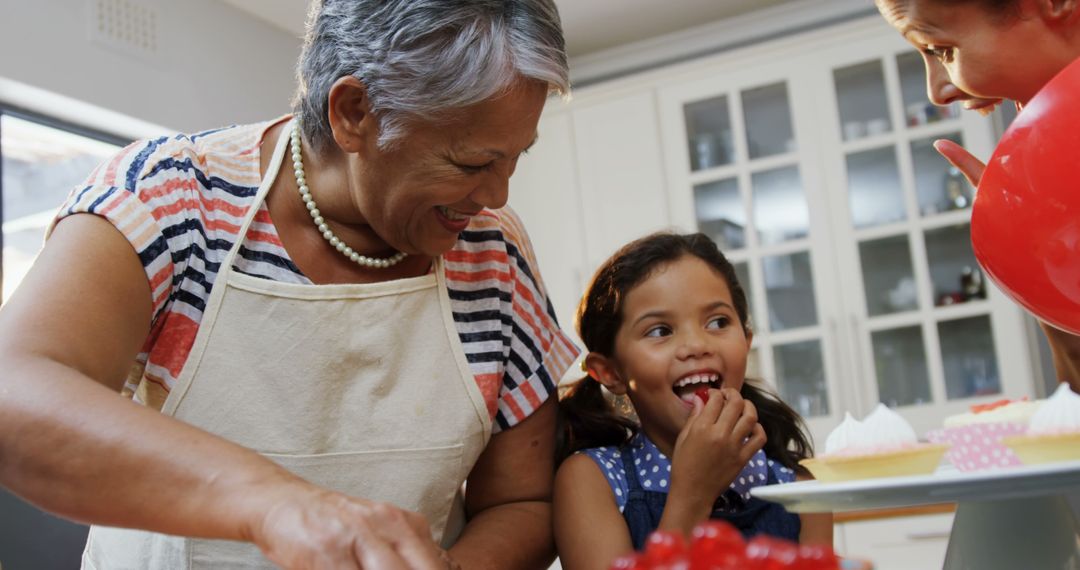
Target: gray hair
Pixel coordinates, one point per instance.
(422, 59)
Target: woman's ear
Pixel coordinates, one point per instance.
(349, 114)
(603, 370)
(1061, 12)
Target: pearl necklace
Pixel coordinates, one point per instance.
(320, 222)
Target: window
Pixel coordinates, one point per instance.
(41, 161)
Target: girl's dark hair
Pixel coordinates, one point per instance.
(589, 419)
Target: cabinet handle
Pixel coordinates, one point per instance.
(837, 353)
(929, 535)
(856, 338)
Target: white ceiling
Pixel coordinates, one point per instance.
(590, 25)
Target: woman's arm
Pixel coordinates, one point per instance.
(817, 528)
(1065, 348)
(508, 498)
(72, 446)
(589, 530)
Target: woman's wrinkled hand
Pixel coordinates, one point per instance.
(315, 529)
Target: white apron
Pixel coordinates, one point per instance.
(360, 388)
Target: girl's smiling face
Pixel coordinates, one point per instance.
(978, 55)
(679, 329)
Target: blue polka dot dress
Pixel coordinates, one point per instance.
(639, 473)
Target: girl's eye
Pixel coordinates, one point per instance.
(658, 331)
(718, 323)
(943, 54)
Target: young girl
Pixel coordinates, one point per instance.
(664, 318)
(981, 53)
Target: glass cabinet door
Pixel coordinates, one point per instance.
(41, 165)
(927, 328)
(749, 195)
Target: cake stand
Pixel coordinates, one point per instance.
(1008, 519)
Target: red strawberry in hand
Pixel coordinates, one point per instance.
(703, 393)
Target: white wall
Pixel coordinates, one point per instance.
(213, 65)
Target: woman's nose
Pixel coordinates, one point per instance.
(493, 193)
(939, 86)
(494, 190)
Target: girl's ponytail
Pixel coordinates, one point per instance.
(784, 427)
(588, 419)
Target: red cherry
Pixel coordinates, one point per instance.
(630, 562)
(664, 548)
(702, 393)
(717, 545)
(771, 553)
(817, 557)
(716, 530)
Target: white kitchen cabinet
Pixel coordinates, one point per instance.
(896, 543)
(593, 181)
(621, 172)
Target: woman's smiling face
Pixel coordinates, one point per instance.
(419, 194)
(679, 329)
(978, 55)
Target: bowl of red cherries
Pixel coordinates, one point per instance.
(717, 545)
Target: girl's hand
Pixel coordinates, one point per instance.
(313, 528)
(717, 442)
(959, 157)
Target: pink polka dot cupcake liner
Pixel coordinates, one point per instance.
(978, 447)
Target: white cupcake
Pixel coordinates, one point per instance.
(881, 445)
(976, 437)
(1054, 431)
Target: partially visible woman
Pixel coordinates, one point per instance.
(980, 53)
(314, 357)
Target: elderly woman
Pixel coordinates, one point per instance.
(323, 352)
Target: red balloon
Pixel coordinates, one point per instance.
(1025, 222)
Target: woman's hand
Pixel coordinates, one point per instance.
(313, 529)
(959, 157)
(717, 442)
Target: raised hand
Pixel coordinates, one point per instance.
(718, 440)
(959, 157)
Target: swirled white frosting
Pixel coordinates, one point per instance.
(850, 434)
(1060, 413)
(881, 430)
(886, 428)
